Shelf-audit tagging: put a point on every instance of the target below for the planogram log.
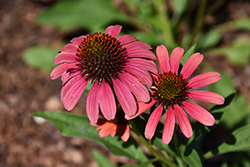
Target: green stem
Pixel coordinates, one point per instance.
(161, 9)
(153, 151)
(176, 145)
(198, 21)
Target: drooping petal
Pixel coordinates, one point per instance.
(69, 48)
(206, 96)
(141, 73)
(92, 102)
(142, 107)
(138, 44)
(183, 121)
(107, 101)
(78, 40)
(141, 63)
(175, 59)
(169, 125)
(192, 63)
(140, 52)
(126, 39)
(60, 69)
(67, 76)
(153, 121)
(125, 97)
(199, 113)
(163, 58)
(65, 57)
(72, 91)
(113, 30)
(204, 79)
(124, 132)
(135, 87)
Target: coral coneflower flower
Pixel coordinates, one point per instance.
(119, 124)
(171, 91)
(110, 64)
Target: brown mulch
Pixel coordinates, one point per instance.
(23, 141)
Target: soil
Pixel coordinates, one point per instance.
(26, 142)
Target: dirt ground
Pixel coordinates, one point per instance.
(23, 141)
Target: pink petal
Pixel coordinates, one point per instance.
(113, 30)
(125, 97)
(153, 121)
(78, 40)
(72, 91)
(107, 101)
(199, 113)
(137, 45)
(206, 96)
(175, 59)
(192, 63)
(140, 52)
(169, 125)
(183, 121)
(204, 79)
(135, 87)
(60, 69)
(65, 57)
(142, 107)
(67, 76)
(126, 39)
(92, 103)
(142, 74)
(69, 48)
(124, 132)
(144, 64)
(163, 58)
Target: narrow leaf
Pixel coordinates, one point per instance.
(188, 54)
(101, 159)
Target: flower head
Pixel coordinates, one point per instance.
(172, 89)
(119, 124)
(111, 64)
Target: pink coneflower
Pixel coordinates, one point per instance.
(110, 64)
(119, 124)
(171, 90)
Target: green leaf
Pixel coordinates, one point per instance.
(90, 14)
(188, 54)
(101, 159)
(179, 6)
(210, 39)
(40, 57)
(238, 52)
(238, 141)
(73, 125)
(190, 156)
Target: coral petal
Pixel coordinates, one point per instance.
(126, 39)
(113, 30)
(153, 121)
(204, 79)
(69, 48)
(125, 97)
(78, 40)
(206, 96)
(138, 44)
(199, 113)
(92, 103)
(135, 87)
(192, 63)
(124, 132)
(163, 58)
(65, 57)
(72, 91)
(169, 125)
(141, 63)
(140, 52)
(107, 101)
(175, 59)
(183, 121)
(142, 107)
(60, 69)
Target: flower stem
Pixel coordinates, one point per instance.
(176, 145)
(149, 147)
